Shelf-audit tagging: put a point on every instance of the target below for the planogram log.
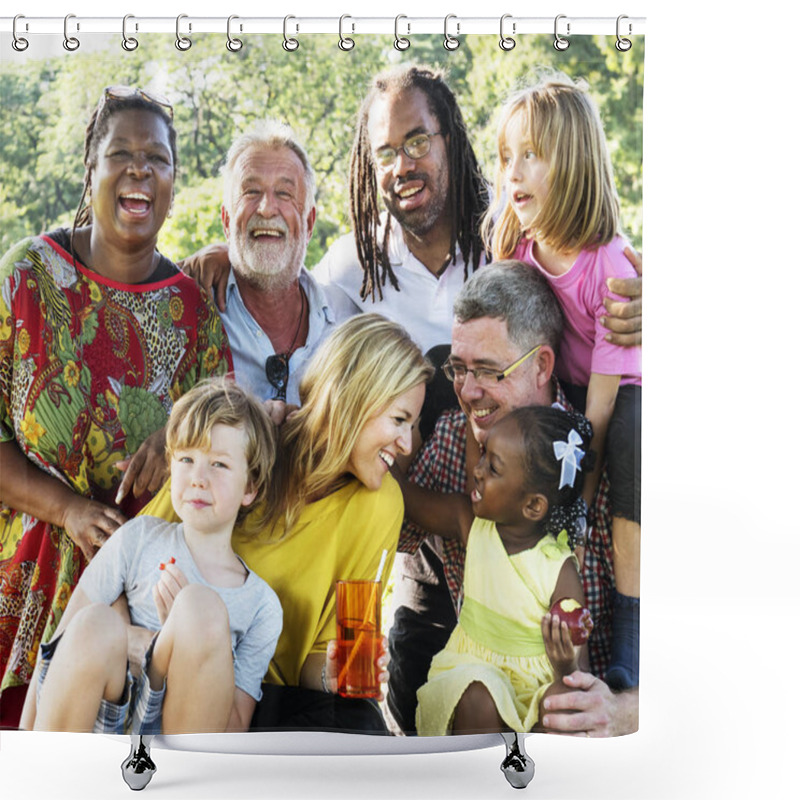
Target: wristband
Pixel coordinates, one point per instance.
(324, 676)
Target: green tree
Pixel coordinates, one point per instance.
(317, 89)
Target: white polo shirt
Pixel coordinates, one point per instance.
(424, 303)
(328, 306)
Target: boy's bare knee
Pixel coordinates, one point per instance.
(199, 612)
(96, 628)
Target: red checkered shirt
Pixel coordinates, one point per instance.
(441, 466)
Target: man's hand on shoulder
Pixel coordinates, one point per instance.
(624, 320)
(209, 268)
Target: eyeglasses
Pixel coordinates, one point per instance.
(415, 147)
(484, 376)
(277, 369)
(126, 92)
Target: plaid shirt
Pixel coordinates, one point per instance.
(441, 466)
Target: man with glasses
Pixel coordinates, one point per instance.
(409, 262)
(275, 312)
(505, 337)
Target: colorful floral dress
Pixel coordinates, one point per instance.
(89, 367)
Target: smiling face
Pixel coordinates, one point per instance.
(527, 181)
(484, 342)
(384, 437)
(210, 486)
(415, 192)
(132, 179)
(268, 225)
(500, 492)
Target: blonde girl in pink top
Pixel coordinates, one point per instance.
(556, 208)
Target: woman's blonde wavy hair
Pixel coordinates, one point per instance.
(364, 365)
(582, 207)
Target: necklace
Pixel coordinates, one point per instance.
(277, 366)
(293, 345)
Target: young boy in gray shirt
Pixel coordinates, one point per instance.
(216, 622)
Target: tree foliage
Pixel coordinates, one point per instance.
(317, 89)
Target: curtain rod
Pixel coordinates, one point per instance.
(452, 25)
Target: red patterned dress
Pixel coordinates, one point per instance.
(89, 367)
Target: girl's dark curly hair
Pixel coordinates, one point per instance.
(540, 427)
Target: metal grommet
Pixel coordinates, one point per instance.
(234, 45)
(450, 42)
(506, 42)
(400, 42)
(623, 45)
(345, 42)
(183, 43)
(19, 43)
(560, 43)
(71, 43)
(129, 43)
(289, 44)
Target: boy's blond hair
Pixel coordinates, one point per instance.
(581, 210)
(220, 401)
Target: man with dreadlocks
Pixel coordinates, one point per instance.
(408, 263)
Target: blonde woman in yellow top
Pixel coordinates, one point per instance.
(333, 510)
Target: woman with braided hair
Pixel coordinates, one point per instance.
(520, 525)
(99, 335)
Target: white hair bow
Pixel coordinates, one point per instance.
(570, 456)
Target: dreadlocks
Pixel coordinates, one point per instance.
(467, 190)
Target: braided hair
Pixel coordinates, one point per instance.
(97, 129)
(540, 427)
(468, 196)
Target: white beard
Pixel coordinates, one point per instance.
(271, 268)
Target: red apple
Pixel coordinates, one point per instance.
(576, 616)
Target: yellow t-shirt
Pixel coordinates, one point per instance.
(340, 537)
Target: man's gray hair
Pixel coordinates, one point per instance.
(269, 134)
(518, 294)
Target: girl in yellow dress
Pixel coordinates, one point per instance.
(508, 652)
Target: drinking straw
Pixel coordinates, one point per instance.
(370, 608)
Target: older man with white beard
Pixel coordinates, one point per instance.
(275, 313)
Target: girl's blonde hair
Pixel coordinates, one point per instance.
(219, 401)
(364, 365)
(581, 210)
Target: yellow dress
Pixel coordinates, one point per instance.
(498, 640)
(340, 537)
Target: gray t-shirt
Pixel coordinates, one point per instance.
(128, 563)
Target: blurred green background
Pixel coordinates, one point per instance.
(47, 97)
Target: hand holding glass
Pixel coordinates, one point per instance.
(358, 638)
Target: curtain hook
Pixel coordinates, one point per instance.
(183, 43)
(623, 45)
(19, 43)
(506, 42)
(345, 42)
(71, 43)
(559, 42)
(234, 45)
(400, 42)
(450, 42)
(129, 43)
(289, 44)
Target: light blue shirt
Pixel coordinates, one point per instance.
(328, 306)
